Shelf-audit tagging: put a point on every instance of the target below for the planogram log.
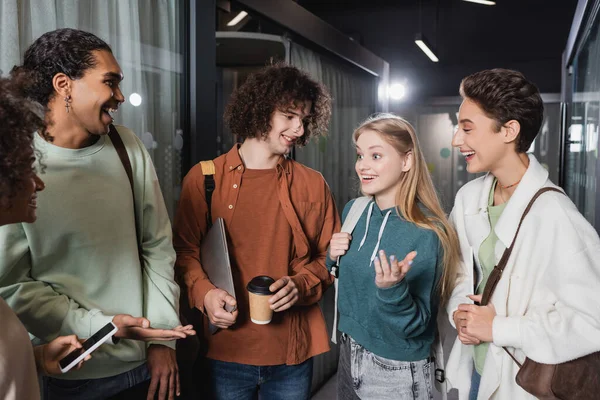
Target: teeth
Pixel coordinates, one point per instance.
(468, 153)
(288, 138)
(368, 177)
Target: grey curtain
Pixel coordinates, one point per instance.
(354, 98)
(144, 36)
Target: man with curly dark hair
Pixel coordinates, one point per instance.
(280, 216)
(78, 267)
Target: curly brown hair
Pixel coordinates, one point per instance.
(19, 119)
(276, 87)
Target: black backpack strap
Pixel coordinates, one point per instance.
(208, 170)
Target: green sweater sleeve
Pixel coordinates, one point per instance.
(407, 306)
(161, 293)
(44, 312)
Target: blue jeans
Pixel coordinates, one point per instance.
(233, 381)
(475, 381)
(94, 389)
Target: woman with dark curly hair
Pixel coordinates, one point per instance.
(280, 216)
(18, 187)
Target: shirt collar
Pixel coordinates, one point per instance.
(234, 162)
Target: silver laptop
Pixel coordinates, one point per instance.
(214, 256)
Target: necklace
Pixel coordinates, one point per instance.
(509, 186)
(501, 195)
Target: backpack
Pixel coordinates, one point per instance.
(358, 207)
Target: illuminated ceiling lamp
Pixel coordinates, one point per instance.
(484, 2)
(426, 47)
(237, 19)
(420, 38)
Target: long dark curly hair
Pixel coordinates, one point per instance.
(276, 87)
(19, 119)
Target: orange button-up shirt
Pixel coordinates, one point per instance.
(308, 206)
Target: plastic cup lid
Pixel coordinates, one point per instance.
(260, 284)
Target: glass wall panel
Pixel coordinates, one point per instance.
(145, 38)
(582, 128)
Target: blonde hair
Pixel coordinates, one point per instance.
(416, 187)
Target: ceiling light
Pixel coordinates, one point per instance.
(237, 18)
(397, 91)
(422, 43)
(484, 2)
(135, 99)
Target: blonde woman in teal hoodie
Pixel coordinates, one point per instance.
(395, 269)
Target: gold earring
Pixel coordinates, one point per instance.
(67, 105)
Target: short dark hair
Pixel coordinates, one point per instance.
(63, 50)
(277, 86)
(506, 95)
(19, 119)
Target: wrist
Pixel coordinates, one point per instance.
(39, 353)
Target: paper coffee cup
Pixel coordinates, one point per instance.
(258, 296)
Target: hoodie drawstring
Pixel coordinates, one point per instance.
(387, 215)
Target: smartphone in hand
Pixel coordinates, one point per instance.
(91, 344)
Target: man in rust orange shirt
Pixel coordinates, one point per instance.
(279, 216)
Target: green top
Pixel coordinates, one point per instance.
(487, 259)
(78, 265)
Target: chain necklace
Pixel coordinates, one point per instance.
(509, 186)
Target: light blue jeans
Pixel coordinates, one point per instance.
(364, 375)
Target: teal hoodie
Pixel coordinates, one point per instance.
(399, 322)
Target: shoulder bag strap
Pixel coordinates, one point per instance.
(117, 142)
(496, 273)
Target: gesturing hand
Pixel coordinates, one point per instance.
(139, 329)
(387, 274)
(339, 245)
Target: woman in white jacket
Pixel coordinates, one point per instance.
(545, 306)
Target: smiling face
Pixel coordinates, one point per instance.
(477, 139)
(287, 126)
(22, 207)
(96, 95)
(379, 166)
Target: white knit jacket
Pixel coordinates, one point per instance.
(546, 302)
